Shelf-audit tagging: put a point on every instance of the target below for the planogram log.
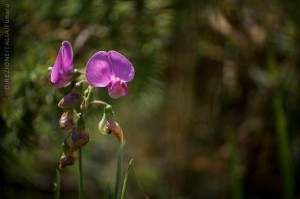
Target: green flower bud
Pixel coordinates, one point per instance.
(111, 127)
(107, 125)
(109, 112)
(102, 125)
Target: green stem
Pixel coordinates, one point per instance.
(284, 150)
(87, 101)
(84, 112)
(281, 128)
(82, 81)
(119, 170)
(98, 102)
(57, 185)
(88, 96)
(80, 173)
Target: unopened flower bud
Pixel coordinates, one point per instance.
(67, 160)
(108, 115)
(71, 100)
(107, 125)
(102, 125)
(114, 128)
(66, 121)
(79, 139)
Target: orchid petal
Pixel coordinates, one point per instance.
(57, 79)
(117, 89)
(61, 72)
(120, 66)
(98, 71)
(67, 56)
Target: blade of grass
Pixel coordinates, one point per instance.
(284, 150)
(125, 179)
(281, 128)
(119, 170)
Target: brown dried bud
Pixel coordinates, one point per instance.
(114, 128)
(71, 100)
(66, 121)
(67, 160)
(79, 139)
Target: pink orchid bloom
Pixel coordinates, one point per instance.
(112, 70)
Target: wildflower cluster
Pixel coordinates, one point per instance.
(104, 69)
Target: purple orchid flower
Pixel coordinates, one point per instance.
(110, 69)
(61, 72)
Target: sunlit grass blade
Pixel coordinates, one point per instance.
(285, 157)
(281, 128)
(57, 185)
(119, 170)
(125, 179)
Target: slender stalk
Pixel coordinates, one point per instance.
(125, 180)
(119, 170)
(281, 128)
(80, 173)
(87, 101)
(83, 112)
(57, 185)
(82, 81)
(98, 102)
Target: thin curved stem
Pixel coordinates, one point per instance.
(83, 81)
(83, 112)
(78, 71)
(87, 101)
(98, 102)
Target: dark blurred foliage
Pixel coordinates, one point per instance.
(213, 111)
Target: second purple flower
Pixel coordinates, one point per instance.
(61, 72)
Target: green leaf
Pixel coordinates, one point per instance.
(125, 179)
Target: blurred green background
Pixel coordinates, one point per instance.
(213, 111)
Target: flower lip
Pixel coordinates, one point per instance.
(61, 72)
(117, 89)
